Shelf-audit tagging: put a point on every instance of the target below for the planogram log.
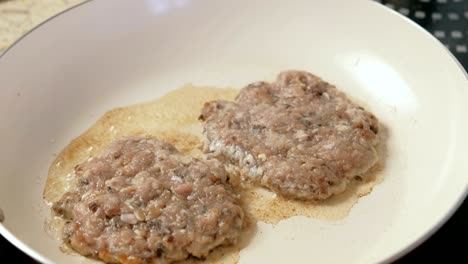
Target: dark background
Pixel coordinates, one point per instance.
(448, 21)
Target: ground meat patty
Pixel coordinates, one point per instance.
(298, 136)
(142, 201)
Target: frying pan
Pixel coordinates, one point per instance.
(61, 77)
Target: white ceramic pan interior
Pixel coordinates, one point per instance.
(60, 78)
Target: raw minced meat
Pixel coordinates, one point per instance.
(298, 136)
(142, 201)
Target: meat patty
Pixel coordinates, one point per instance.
(142, 201)
(298, 136)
